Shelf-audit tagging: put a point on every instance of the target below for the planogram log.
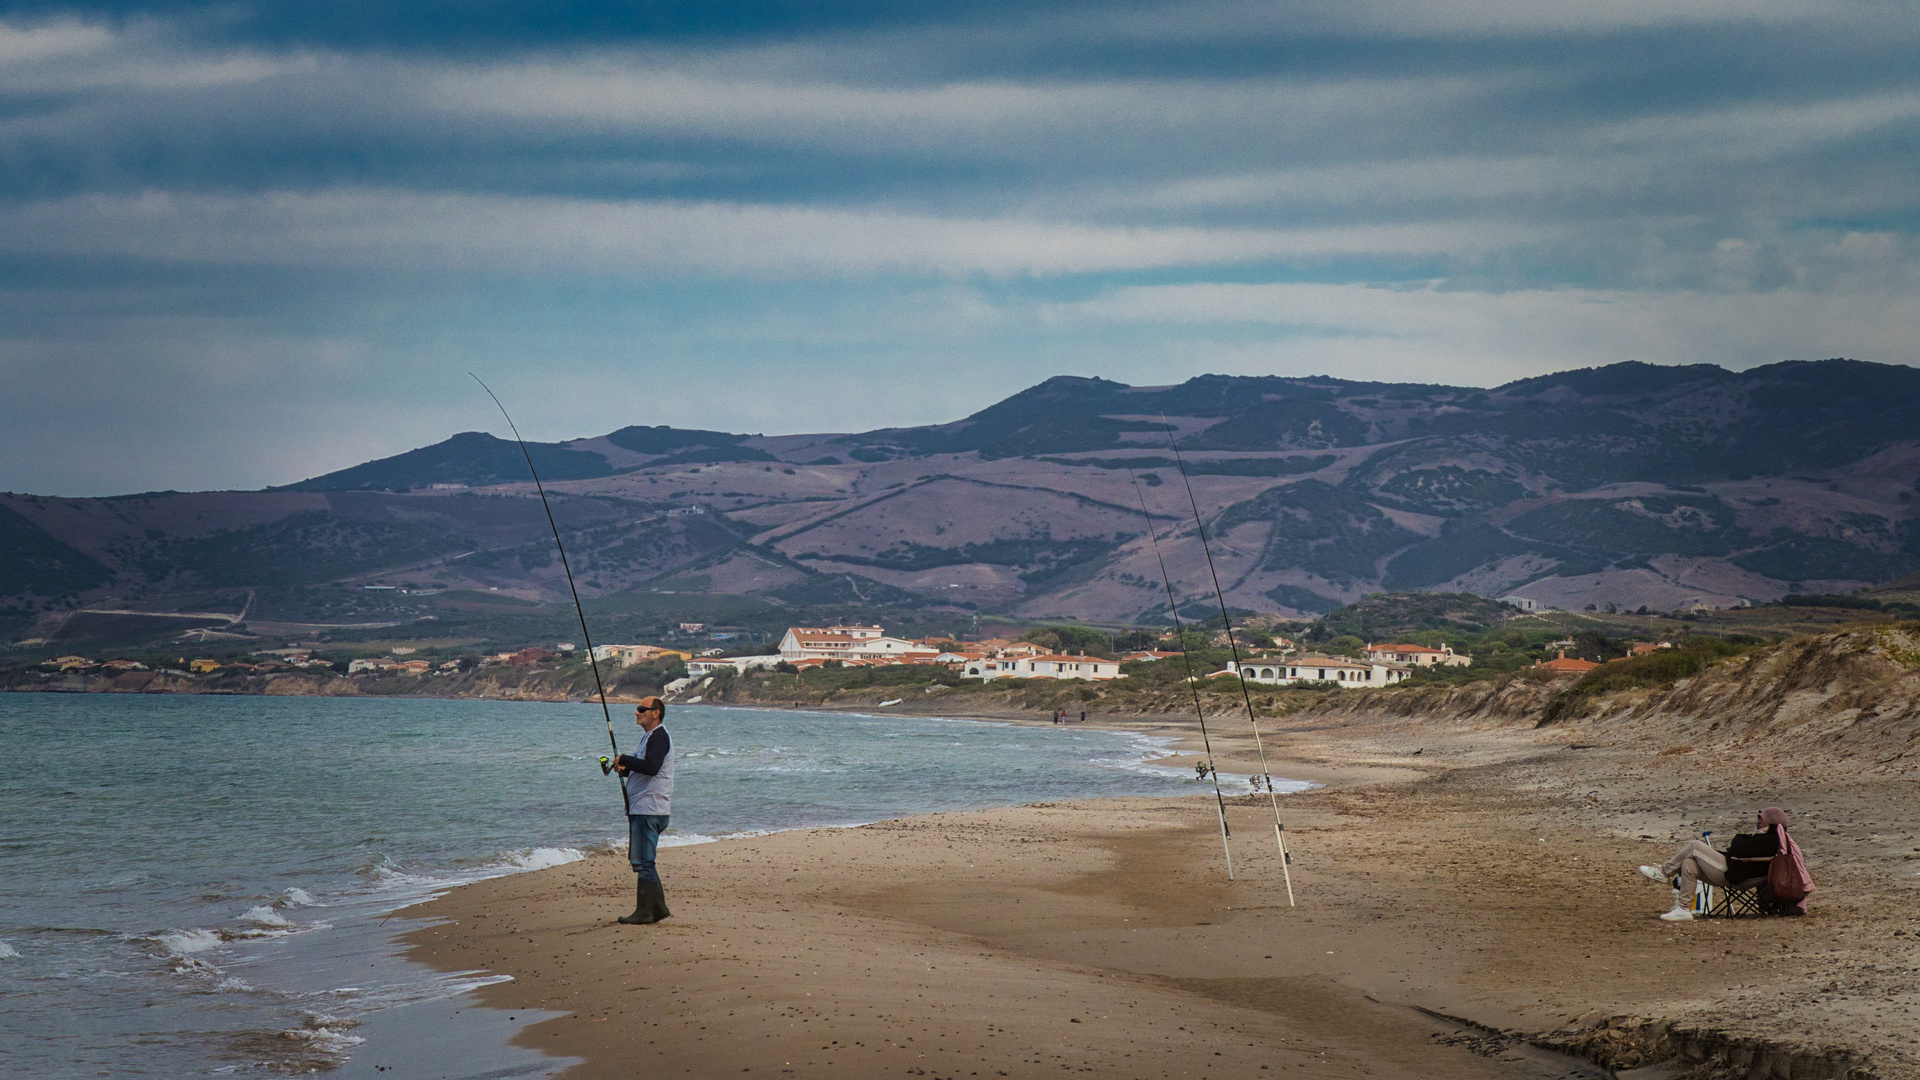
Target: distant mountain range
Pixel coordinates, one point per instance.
(1631, 485)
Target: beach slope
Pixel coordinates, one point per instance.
(1468, 907)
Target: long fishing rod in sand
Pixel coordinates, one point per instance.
(1186, 666)
(1279, 830)
(606, 764)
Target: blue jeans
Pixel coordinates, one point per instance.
(643, 839)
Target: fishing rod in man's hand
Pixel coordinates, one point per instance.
(606, 764)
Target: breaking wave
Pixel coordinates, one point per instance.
(327, 1034)
(187, 942)
(542, 857)
(264, 916)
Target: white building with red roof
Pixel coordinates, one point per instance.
(848, 643)
(1418, 655)
(1044, 666)
(1318, 669)
(825, 642)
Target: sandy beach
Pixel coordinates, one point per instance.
(1468, 906)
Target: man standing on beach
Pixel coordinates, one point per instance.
(648, 777)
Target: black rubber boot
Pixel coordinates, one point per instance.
(642, 904)
(658, 894)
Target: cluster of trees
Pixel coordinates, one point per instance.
(1898, 608)
(1112, 645)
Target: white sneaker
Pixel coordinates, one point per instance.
(1654, 873)
(1678, 914)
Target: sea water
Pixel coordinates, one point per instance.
(195, 886)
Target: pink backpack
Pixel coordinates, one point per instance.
(1787, 877)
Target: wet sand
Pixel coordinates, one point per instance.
(1458, 889)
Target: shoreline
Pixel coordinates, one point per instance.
(1422, 883)
(993, 700)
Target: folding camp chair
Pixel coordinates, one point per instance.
(1733, 901)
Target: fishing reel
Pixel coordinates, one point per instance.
(606, 765)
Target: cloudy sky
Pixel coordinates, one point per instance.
(246, 242)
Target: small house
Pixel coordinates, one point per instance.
(1044, 666)
(1337, 670)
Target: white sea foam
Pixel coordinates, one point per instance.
(235, 985)
(1230, 783)
(542, 857)
(187, 942)
(1152, 748)
(8, 952)
(264, 916)
(263, 933)
(298, 898)
(689, 839)
(325, 1033)
(388, 876)
(365, 1000)
(390, 883)
(680, 839)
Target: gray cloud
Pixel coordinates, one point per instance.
(249, 241)
(387, 228)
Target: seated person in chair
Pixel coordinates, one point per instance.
(1746, 858)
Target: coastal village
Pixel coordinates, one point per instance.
(852, 645)
(1000, 658)
(857, 645)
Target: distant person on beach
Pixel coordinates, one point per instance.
(648, 778)
(1698, 861)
